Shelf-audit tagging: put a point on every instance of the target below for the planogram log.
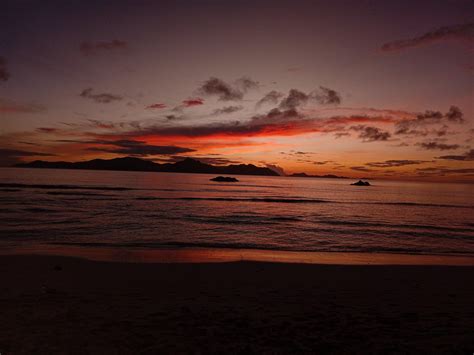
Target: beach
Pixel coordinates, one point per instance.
(55, 304)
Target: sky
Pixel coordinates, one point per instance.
(378, 89)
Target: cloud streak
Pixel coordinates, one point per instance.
(227, 110)
(395, 163)
(438, 146)
(137, 148)
(103, 98)
(459, 32)
(156, 106)
(197, 101)
(468, 156)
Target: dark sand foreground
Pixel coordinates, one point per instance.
(52, 305)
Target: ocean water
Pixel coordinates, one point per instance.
(167, 210)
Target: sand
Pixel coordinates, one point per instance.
(53, 305)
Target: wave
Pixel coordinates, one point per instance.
(63, 187)
(391, 226)
(15, 187)
(297, 200)
(415, 204)
(39, 210)
(234, 199)
(67, 193)
(240, 219)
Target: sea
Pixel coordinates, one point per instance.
(41, 207)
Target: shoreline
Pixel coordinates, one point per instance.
(222, 255)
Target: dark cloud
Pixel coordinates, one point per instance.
(103, 98)
(326, 96)
(46, 130)
(274, 123)
(22, 153)
(270, 98)
(361, 168)
(438, 146)
(341, 134)
(468, 156)
(213, 159)
(4, 73)
(297, 153)
(227, 110)
(156, 106)
(222, 90)
(137, 148)
(442, 131)
(91, 48)
(258, 126)
(301, 153)
(395, 163)
(14, 107)
(417, 126)
(443, 171)
(455, 115)
(245, 84)
(101, 124)
(430, 116)
(173, 117)
(294, 99)
(197, 101)
(371, 134)
(463, 32)
(322, 162)
(277, 115)
(406, 131)
(10, 157)
(30, 143)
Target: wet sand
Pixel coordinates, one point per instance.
(52, 304)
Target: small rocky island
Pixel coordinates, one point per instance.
(361, 183)
(224, 179)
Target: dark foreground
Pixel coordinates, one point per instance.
(52, 305)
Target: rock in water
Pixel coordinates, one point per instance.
(361, 183)
(224, 179)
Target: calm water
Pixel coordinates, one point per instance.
(158, 210)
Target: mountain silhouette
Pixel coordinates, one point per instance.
(188, 165)
(328, 176)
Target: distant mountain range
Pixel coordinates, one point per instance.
(187, 165)
(328, 176)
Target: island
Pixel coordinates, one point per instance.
(361, 183)
(224, 179)
(328, 176)
(187, 165)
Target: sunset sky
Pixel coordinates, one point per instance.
(379, 89)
